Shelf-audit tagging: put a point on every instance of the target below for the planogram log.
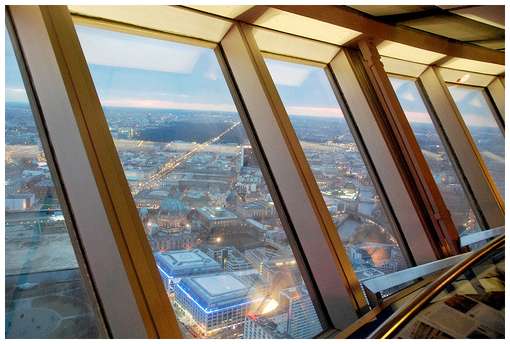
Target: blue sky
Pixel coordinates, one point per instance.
(14, 88)
(135, 71)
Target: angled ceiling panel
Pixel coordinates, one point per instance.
(293, 46)
(224, 11)
(456, 27)
(401, 67)
(474, 66)
(465, 78)
(176, 20)
(408, 53)
(389, 10)
(306, 27)
(492, 15)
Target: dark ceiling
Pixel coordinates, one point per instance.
(480, 25)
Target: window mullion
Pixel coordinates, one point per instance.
(433, 209)
(322, 249)
(349, 73)
(487, 198)
(120, 259)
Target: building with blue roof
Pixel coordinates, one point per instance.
(173, 265)
(218, 301)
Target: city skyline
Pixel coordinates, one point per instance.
(186, 77)
(219, 244)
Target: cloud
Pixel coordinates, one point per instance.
(408, 96)
(129, 51)
(15, 94)
(417, 117)
(475, 120)
(287, 74)
(476, 102)
(315, 111)
(163, 104)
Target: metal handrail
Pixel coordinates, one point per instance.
(476, 237)
(408, 311)
(374, 287)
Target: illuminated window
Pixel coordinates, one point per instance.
(219, 244)
(435, 154)
(44, 292)
(339, 168)
(479, 116)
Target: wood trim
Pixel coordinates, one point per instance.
(486, 196)
(496, 90)
(345, 17)
(361, 99)
(314, 227)
(143, 276)
(112, 25)
(56, 178)
(426, 188)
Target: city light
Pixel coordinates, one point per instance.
(269, 306)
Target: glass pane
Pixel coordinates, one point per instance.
(338, 168)
(471, 306)
(435, 154)
(44, 293)
(218, 242)
(479, 118)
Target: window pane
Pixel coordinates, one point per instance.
(479, 118)
(44, 293)
(339, 169)
(218, 242)
(435, 154)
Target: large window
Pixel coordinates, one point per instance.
(479, 116)
(435, 154)
(217, 239)
(339, 168)
(44, 292)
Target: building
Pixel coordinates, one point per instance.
(173, 265)
(258, 210)
(170, 240)
(216, 218)
(262, 327)
(216, 302)
(20, 201)
(390, 117)
(230, 258)
(302, 320)
(248, 157)
(172, 213)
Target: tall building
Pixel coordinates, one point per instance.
(263, 327)
(302, 319)
(216, 302)
(173, 265)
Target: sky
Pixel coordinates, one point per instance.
(136, 71)
(14, 89)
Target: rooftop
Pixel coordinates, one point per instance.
(217, 213)
(186, 262)
(222, 289)
(220, 284)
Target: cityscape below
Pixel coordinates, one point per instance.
(218, 242)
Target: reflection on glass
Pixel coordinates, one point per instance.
(478, 115)
(338, 167)
(435, 154)
(217, 240)
(44, 293)
(470, 307)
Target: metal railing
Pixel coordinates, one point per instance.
(400, 318)
(375, 287)
(477, 237)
